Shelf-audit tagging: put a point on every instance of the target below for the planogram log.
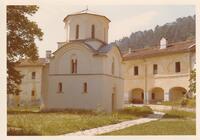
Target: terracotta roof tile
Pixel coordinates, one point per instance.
(27, 62)
(183, 46)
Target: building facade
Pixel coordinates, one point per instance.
(86, 72)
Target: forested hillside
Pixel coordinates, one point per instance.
(179, 30)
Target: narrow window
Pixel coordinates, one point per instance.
(75, 66)
(178, 66)
(93, 31)
(153, 96)
(155, 69)
(33, 75)
(59, 87)
(72, 66)
(113, 67)
(77, 31)
(136, 70)
(85, 87)
(33, 93)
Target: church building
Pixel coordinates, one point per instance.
(85, 72)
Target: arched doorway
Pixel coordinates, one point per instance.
(157, 95)
(138, 96)
(177, 93)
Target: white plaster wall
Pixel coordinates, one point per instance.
(166, 78)
(107, 65)
(85, 22)
(28, 84)
(87, 63)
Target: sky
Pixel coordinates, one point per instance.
(125, 19)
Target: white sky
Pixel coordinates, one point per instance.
(125, 19)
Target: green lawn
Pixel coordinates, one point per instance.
(174, 122)
(56, 123)
(160, 127)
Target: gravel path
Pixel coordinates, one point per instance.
(118, 126)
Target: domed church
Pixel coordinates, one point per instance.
(85, 72)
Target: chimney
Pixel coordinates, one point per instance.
(48, 54)
(60, 44)
(129, 50)
(163, 43)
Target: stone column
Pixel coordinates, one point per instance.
(126, 97)
(166, 96)
(146, 98)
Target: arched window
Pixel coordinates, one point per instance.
(33, 93)
(77, 31)
(59, 87)
(93, 31)
(74, 65)
(85, 90)
(113, 67)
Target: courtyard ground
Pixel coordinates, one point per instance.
(23, 121)
(174, 122)
(32, 122)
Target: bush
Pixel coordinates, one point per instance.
(137, 111)
(188, 102)
(184, 102)
(179, 114)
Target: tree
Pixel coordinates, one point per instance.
(192, 86)
(21, 35)
(179, 30)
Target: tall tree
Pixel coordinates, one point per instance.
(21, 35)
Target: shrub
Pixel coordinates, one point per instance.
(137, 111)
(188, 102)
(179, 114)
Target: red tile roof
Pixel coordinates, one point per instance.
(27, 62)
(177, 47)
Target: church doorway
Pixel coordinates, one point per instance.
(114, 99)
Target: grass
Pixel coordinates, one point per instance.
(138, 111)
(179, 114)
(62, 122)
(174, 122)
(190, 103)
(160, 127)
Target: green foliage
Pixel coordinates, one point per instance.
(180, 30)
(21, 34)
(179, 114)
(192, 80)
(137, 111)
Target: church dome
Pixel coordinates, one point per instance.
(86, 25)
